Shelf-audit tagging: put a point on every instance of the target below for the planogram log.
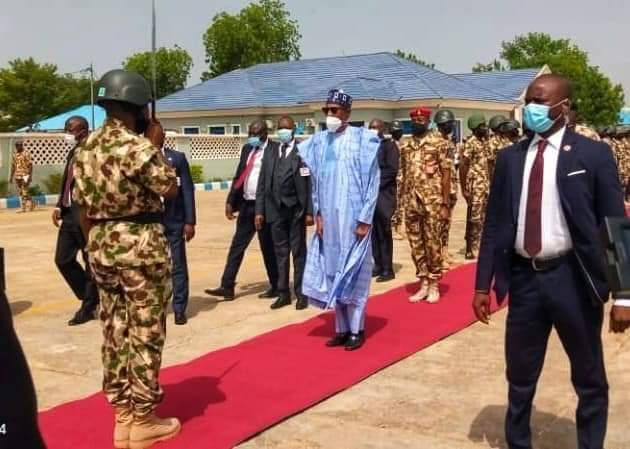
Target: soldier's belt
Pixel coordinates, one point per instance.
(145, 218)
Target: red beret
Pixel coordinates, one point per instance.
(421, 111)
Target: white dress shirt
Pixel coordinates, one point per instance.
(289, 148)
(556, 238)
(251, 183)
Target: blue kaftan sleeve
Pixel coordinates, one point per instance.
(370, 175)
(308, 152)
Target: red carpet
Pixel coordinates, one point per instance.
(227, 396)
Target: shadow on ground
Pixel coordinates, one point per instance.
(548, 430)
(190, 398)
(18, 307)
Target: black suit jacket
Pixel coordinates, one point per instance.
(181, 209)
(235, 196)
(591, 193)
(266, 203)
(388, 161)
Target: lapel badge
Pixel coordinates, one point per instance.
(567, 148)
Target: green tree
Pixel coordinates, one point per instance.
(30, 92)
(598, 99)
(413, 58)
(172, 68)
(495, 66)
(262, 32)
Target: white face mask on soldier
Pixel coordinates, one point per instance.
(333, 123)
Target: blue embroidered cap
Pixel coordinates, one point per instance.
(337, 96)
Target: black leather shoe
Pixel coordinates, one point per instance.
(283, 300)
(82, 316)
(223, 292)
(271, 293)
(338, 340)
(180, 318)
(302, 303)
(355, 341)
(385, 277)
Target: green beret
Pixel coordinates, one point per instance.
(475, 120)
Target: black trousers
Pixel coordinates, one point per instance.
(245, 231)
(18, 407)
(382, 242)
(70, 241)
(540, 301)
(175, 236)
(289, 237)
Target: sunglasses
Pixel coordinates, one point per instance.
(332, 110)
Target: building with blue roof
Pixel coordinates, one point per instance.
(56, 123)
(383, 85)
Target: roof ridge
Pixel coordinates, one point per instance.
(400, 61)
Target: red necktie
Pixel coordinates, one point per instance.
(533, 221)
(248, 168)
(67, 193)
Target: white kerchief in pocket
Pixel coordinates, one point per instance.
(574, 173)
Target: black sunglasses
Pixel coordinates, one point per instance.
(333, 111)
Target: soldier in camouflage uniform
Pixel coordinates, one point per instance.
(623, 147)
(397, 218)
(580, 128)
(511, 130)
(120, 179)
(427, 187)
(497, 141)
(608, 135)
(22, 173)
(445, 121)
(475, 181)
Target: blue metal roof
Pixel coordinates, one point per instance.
(378, 76)
(58, 122)
(509, 83)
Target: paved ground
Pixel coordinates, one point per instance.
(449, 396)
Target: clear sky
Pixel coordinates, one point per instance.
(453, 34)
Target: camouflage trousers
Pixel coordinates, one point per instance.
(399, 212)
(446, 229)
(424, 231)
(25, 198)
(133, 304)
(477, 216)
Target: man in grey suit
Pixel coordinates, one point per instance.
(283, 200)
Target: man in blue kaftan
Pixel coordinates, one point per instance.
(345, 181)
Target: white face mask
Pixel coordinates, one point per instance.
(333, 123)
(70, 139)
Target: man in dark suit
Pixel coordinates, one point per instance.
(540, 243)
(179, 221)
(382, 239)
(70, 240)
(283, 201)
(242, 199)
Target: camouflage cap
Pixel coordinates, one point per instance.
(497, 121)
(443, 116)
(509, 126)
(476, 120)
(121, 85)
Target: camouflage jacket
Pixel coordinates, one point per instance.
(495, 144)
(586, 132)
(120, 174)
(22, 164)
(451, 160)
(476, 152)
(423, 162)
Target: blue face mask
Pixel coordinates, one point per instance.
(254, 141)
(536, 117)
(285, 135)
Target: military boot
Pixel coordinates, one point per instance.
(122, 428)
(150, 429)
(422, 293)
(434, 293)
